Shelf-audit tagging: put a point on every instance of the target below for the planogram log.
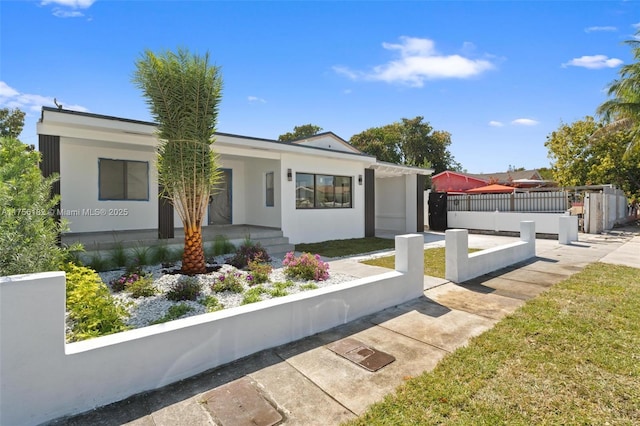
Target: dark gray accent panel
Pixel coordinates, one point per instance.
(420, 203)
(369, 203)
(165, 217)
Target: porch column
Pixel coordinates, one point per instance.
(411, 203)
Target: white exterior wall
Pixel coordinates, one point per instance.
(43, 378)
(391, 199)
(315, 225)
(546, 223)
(255, 196)
(79, 187)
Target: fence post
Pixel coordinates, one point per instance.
(456, 254)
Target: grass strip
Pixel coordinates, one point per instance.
(350, 247)
(569, 356)
(434, 261)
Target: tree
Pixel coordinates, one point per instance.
(183, 92)
(28, 230)
(410, 142)
(300, 132)
(622, 111)
(579, 159)
(11, 122)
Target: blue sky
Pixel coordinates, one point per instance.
(499, 76)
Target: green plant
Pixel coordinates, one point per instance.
(340, 248)
(221, 245)
(306, 267)
(142, 255)
(174, 312)
(160, 254)
(92, 310)
(211, 303)
(133, 274)
(186, 288)
(280, 289)
(230, 281)
(118, 255)
(98, 263)
(142, 287)
(259, 270)
(253, 295)
(308, 286)
(247, 252)
(28, 228)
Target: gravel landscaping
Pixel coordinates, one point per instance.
(147, 310)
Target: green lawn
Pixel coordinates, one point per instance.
(569, 356)
(340, 248)
(434, 261)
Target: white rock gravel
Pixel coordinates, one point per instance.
(145, 310)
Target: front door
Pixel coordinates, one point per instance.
(438, 211)
(220, 204)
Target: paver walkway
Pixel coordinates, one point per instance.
(306, 383)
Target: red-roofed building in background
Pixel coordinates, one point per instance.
(458, 182)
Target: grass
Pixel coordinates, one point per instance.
(340, 248)
(434, 261)
(569, 356)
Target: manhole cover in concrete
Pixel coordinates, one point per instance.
(239, 404)
(357, 352)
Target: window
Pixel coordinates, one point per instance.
(269, 189)
(123, 179)
(322, 191)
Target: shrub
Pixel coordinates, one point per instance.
(305, 267)
(280, 289)
(211, 303)
(253, 295)
(221, 245)
(99, 263)
(308, 286)
(28, 229)
(186, 288)
(160, 254)
(118, 255)
(143, 255)
(247, 252)
(259, 270)
(92, 310)
(174, 312)
(142, 287)
(131, 276)
(231, 281)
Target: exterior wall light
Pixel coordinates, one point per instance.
(359, 179)
(289, 175)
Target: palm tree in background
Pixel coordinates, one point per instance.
(183, 92)
(622, 110)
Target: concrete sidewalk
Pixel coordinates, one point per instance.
(307, 383)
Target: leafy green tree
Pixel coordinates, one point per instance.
(183, 92)
(580, 159)
(300, 132)
(410, 142)
(622, 111)
(11, 122)
(28, 230)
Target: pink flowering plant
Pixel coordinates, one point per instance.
(306, 267)
(231, 281)
(129, 278)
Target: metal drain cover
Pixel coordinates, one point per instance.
(357, 352)
(239, 404)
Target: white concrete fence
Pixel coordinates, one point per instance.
(43, 378)
(461, 266)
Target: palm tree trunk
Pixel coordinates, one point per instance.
(193, 257)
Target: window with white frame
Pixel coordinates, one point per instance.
(123, 179)
(317, 191)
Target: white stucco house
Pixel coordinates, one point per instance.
(316, 189)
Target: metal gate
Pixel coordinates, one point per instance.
(438, 211)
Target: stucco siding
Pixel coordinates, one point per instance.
(391, 197)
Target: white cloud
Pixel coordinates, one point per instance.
(255, 100)
(494, 123)
(637, 26)
(597, 28)
(524, 122)
(347, 91)
(11, 98)
(593, 62)
(68, 8)
(419, 61)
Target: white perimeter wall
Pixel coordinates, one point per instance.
(44, 378)
(315, 225)
(79, 186)
(546, 223)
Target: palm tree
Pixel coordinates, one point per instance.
(622, 111)
(183, 92)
